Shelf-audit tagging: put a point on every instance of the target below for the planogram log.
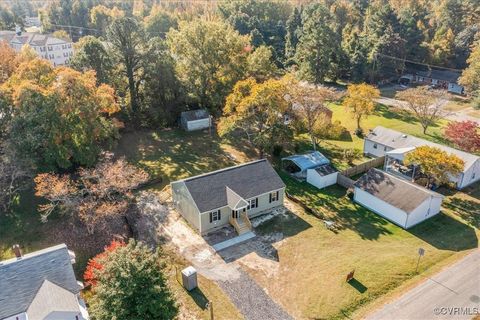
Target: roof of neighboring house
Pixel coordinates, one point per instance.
(21, 278)
(398, 192)
(52, 298)
(325, 170)
(445, 75)
(209, 191)
(31, 38)
(397, 140)
(193, 115)
(308, 160)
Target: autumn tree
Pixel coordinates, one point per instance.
(210, 58)
(101, 17)
(310, 107)
(261, 65)
(128, 282)
(438, 165)
(470, 78)
(8, 61)
(464, 135)
(424, 103)
(256, 111)
(60, 116)
(360, 101)
(91, 194)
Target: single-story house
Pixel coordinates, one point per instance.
(381, 141)
(195, 120)
(41, 285)
(400, 201)
(231, 195)
(444, 79)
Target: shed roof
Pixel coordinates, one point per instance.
(398, 192)
(325, 170)
(308, 160)
(209, 191)
(193, 115)
(396, 140)
(20, 279)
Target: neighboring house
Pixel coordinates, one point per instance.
(195, 120)
(55, 50)
(41, 286)
(313, 167)
(382, 141)
(402, 202)
(231, 195)
(444, 79)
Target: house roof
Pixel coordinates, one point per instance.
(308, 160)
(398, 192)
(209, 191)
(193, 115)
(397, 140)
(52, 298)
(21, 279)
(31, 38)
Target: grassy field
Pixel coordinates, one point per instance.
(383, 255)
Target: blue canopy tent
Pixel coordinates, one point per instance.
(297, 165)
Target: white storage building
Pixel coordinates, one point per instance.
(402, 202)
(195, 120)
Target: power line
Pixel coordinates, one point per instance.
(419, 63)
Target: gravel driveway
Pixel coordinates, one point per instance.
(251, 300)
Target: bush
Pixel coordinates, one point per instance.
(277, 150)
(359, 132)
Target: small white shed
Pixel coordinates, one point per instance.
(400, 201)
(322, 176)
(195, 120)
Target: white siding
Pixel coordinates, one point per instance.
(319, 181)
(470, 176)
(380, 207)
(429, 208)
(374, 149)
(198, 124)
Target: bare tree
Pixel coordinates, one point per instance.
(426, 104)
(309, 107)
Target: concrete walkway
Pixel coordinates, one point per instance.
(453, 294)
(234, 241)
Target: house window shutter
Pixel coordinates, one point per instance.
(270, 200)
(219, 215)
(278, 193)
(211, 217)
(256, 202)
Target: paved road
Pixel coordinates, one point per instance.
(436, 298)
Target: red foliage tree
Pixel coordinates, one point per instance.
(464, 135)
(95, 263)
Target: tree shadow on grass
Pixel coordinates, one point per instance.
(199, 297)
(468, 210)
(446, 233)
(395, 113)
(357, 285)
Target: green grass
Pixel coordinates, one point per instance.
(314, 261)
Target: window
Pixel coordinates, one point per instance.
(274, 196)
(473, 176)
(385, 148)
(252, 204)
(375, 146)
(69, 45)
(49, 48)
(215, 216)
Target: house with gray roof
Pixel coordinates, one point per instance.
(229, 196)
(398, 200)
(395, 145)
(41, 285)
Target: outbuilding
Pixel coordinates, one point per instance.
(298, 164)
(195, 120)
(322, 176)
(400, 201)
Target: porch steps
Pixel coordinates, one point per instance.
(231, 242)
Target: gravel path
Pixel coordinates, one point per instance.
(251, 300)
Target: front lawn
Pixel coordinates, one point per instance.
(314, 261)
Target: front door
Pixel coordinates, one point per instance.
(234, 214)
